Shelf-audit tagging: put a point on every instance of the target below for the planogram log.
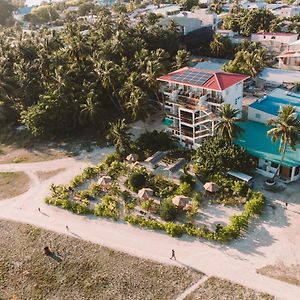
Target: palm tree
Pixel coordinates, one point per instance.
(227, 127)
(182, 59)
(90, 108)
(216, 6)
(217, 46)
(118, 132)
(286, 129)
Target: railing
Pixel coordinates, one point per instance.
(203, 133)
(169, 114)
(215, 100)
(204, 118)
(186, 120)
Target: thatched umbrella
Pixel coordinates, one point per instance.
(211, 187)
(104, 181)
(145, 193)
(131, 158)
(181, 201)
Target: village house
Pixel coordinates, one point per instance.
(290, 59)
(192, 98)
(275, 41)
(266, 152)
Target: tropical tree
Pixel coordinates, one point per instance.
(286, 129)
(221, 46)
(89, 110)
(118, 132)
(216, 6)
(228, 127)
(182, 59)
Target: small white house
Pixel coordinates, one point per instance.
(276, 37)
(283, 10)
(275, 41)
(167, 10)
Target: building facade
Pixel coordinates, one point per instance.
(261, 146)
(192, 98)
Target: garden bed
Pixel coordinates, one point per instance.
(120, 200)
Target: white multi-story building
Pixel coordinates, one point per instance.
(192, 98)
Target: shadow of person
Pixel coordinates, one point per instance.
(55, 257)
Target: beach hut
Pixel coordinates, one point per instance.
(145, 193)
(104, 181)
(211, 187)
(181, 201)
(132, 158)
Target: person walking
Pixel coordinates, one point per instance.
(67, 227)
(173, 255)
(39, 209)
(286, 205)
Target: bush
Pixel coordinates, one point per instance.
(168, 210)
(184, 189)
(173, 229)
(189, 179)
(137, 180)
(107, 208)
(215, 153)
(255, 204)
(155, 141)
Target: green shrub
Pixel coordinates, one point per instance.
(155, 141)
(95, 189)
(137, 180)
(255, 204)
(107, 208)
(184, 189)
(173, 229)
(168, 210)
(189, 179)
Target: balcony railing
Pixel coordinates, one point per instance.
(170, 114)
(215, 100)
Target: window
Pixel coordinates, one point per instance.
(257, 116)
(274, 165)
(297, 169)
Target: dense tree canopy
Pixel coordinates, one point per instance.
(84, 75)
(215, 154)
(251, 21)
(249, 59)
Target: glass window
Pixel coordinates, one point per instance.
(257, 116)
(297, 169)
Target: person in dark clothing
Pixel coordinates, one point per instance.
(173, 255)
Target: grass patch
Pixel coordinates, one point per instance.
(13, 184)
(215, 288)
(290, 274)
(44, 175)
(86, 270)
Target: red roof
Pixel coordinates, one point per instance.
(218, 81)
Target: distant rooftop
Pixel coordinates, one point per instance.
(208, 65)
(271, 103)
(279, 76)
(262, 147)
(208, 79)
(276, 33)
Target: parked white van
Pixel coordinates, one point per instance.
(241, 176)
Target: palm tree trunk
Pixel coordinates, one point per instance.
(281, 161)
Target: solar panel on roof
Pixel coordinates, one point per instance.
(192, 77)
